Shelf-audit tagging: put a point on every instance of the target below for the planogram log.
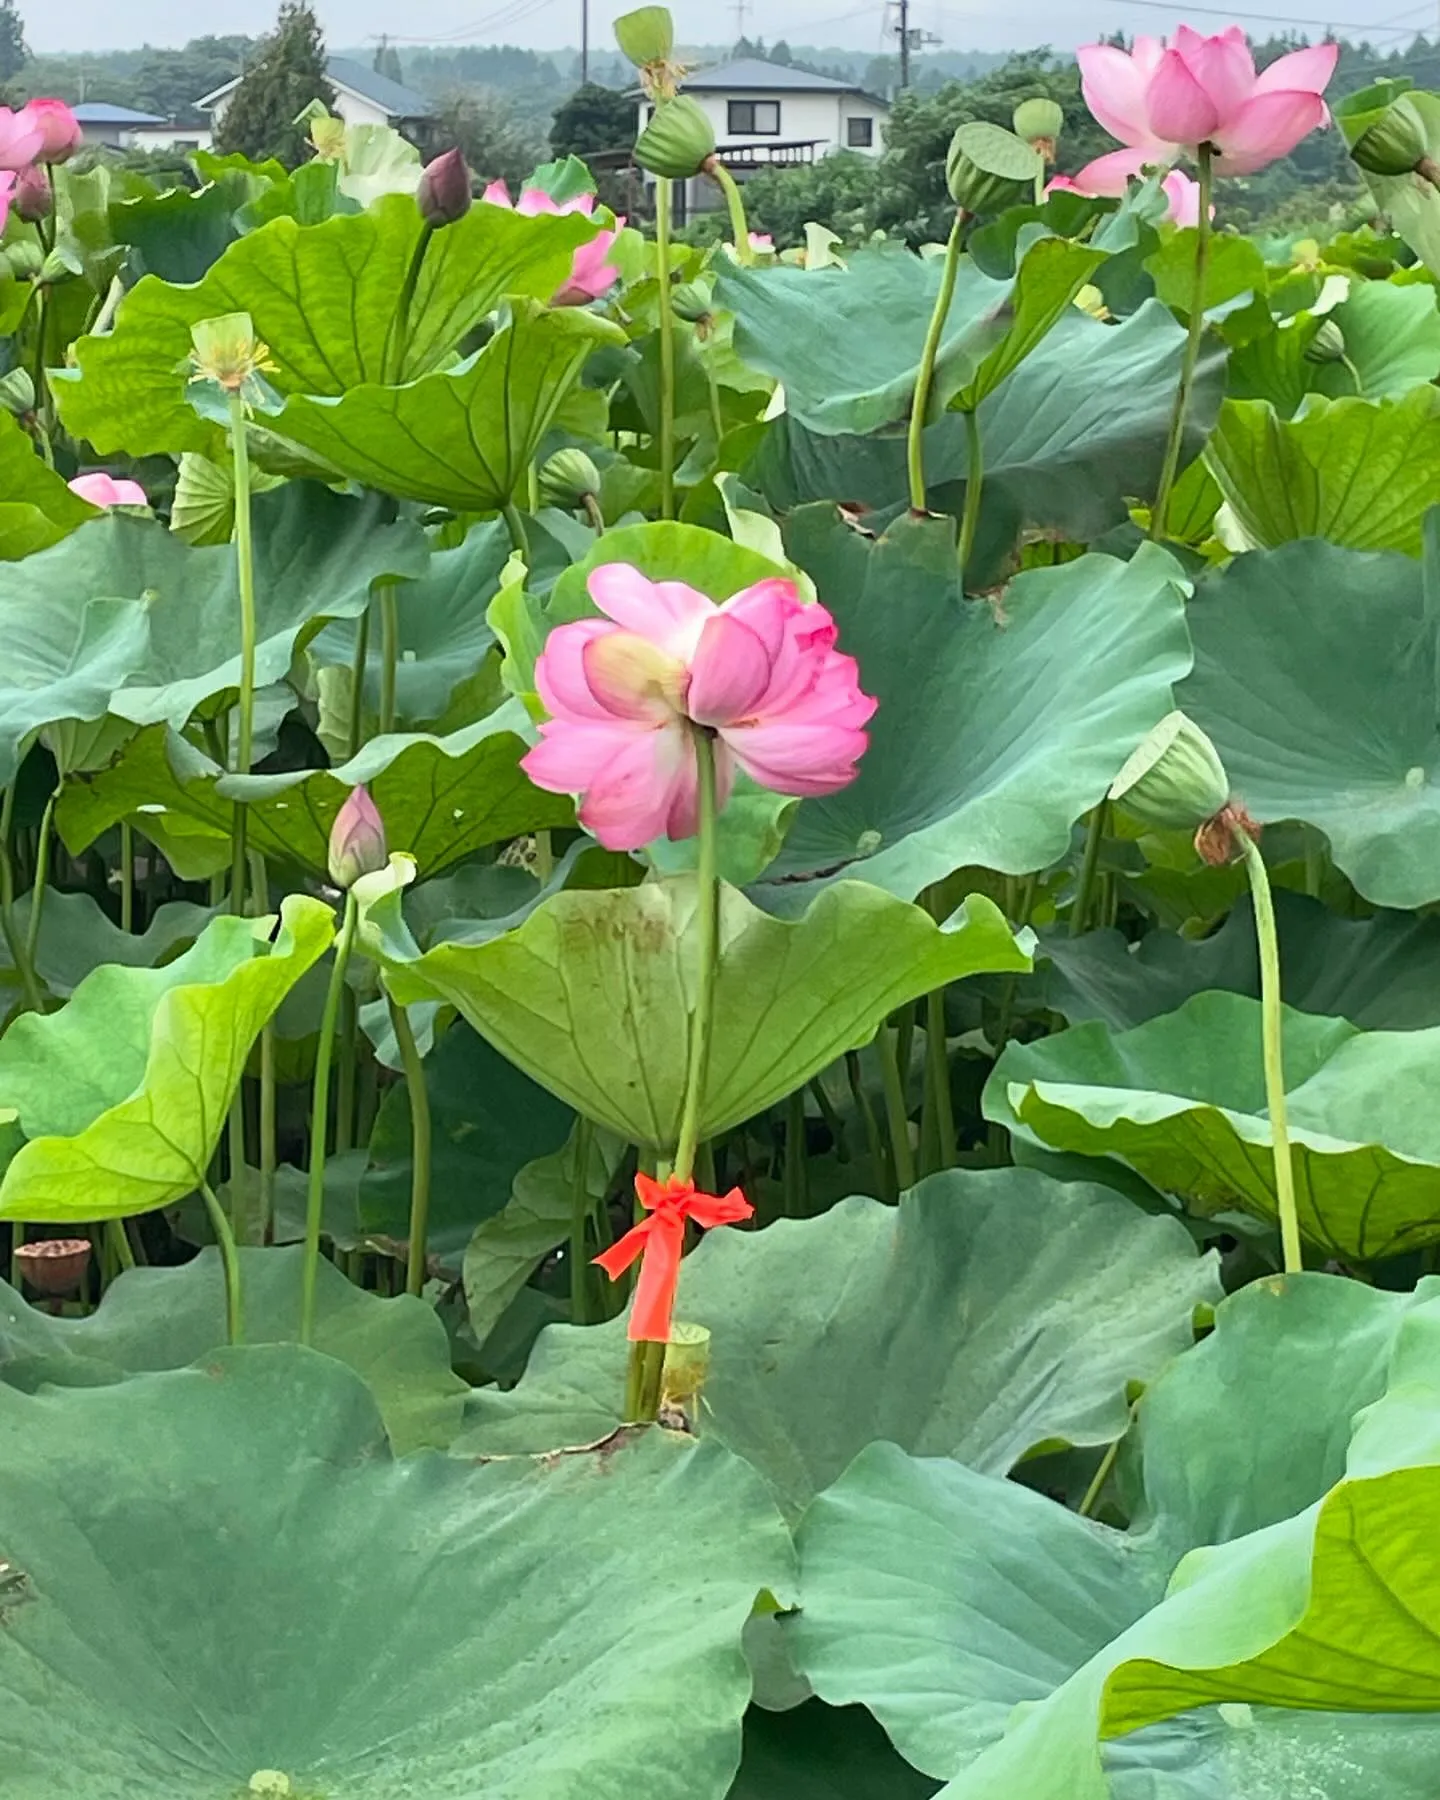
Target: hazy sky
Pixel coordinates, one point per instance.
(549, 24)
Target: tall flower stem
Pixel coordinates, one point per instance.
(399, 341)
(579, 1218)
(243, 741)
(320, 1118)
(1084, 892)
(515, 525)
(667, 351)
(355, 734)
(1173, 444)
(14, 942)
(1272, 1037)
(127, 877)
(229, 1263)
(925, 375)
(42, 879)
(974, 486)
(938, 1066)
(420, 1147)
(887, 1046)
(389, 653)
(735, 201)
(647, 1360)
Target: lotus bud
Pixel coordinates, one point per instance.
(445, 194)
(692, 301)
(25, 259)
(1174, 780)
(989, 168)
(678, 141)
(1327, 345)
(357, 840)
(568, 479)
(1395, 144)
(31, 198)
(1039, 122)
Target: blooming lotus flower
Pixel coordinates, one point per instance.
(60, 132)
(660, 1239)
(1162, 99)
(357, 840)
(762, 243)
(101, 489)
(21, 139)
(591, 274)
(627, 693)
(1182, 195)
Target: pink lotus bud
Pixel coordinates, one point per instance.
(357, 840)
(101, 489)
(31, 196)
(60, 133)
(21, 139)
(444, 194)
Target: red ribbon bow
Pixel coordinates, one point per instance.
(661, 1241)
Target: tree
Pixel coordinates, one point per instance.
(14, 52)
(287, 74)
(387, 61)
(781, 54)
(593, 118)
(496, 145)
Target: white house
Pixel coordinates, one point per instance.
(362, 97)
(122, 128)
(765, 114)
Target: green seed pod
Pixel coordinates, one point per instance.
(646, 35)
(25, 259)
(692, 301)
(1039, 122)
(989, 168)
(17, 393)
(1174, 780)
(1395, 144)
(1327, 345)
(678, 141)
(567, 479)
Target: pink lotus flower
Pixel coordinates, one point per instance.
(626, 694)
(1182, 195)
(7, 194)
(591, 274)
(60, 133)
(21, 139)
(101, 489)
(762, 243)
(1159, 100)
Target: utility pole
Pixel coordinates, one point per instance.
(903, 30)
(741, 8)
(584, 42)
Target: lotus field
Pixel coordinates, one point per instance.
(722, 973)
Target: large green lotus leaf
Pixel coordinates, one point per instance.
(67, 652)
(819, 1752)
(1316, 675)
(1359, 472)
(1392, 344)
(316, 554)
(945, 1598)
(463, 437)
(957, 773)
(1050, 275)
(36, 506)
(988, 1314)
(325, 299)
(1182, 1099)
(122, 1094)
(488, 1120)
(1380, 973)
(444, 636)
(77, 936)
(1077, 431)
(166, 1318)
(1411, 205)
(229, 1601)
(815, 331)
(592, 995)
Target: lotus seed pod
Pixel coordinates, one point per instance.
(17, 393)
(646, 35)
(989, 168)
(692, 301)
(1174, 780)
(1395, 144)
(567, 479)
(1327, 345)
(1039, 122)
(25, 259)
(678, 140)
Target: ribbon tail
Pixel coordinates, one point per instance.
(618, 1258)
(654, 1305)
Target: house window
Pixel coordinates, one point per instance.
(754, 118)
(860, 133)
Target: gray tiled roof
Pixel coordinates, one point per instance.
(748, 72)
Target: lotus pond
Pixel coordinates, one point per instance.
(722, 975)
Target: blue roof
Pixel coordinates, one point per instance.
(102, 112)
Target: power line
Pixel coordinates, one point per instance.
(1230, 12)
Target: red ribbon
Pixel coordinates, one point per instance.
(660, 1239)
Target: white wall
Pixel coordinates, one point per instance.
(169, 137)
(804, 117)
(353, 108)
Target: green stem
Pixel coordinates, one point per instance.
(1272, 1035)
(874, 1142)
(1101, 1476)
(974, 486)
(707, 922)
(320, 1119)
(42, 879)
(245, 572)
(667, 351)
(887, 1047)
(925, 375)
(14, 943)
(1170, 467)
(119, 1243)
(544, 857)
(735, 201)
(937, 1063)
(420, 1148)
(349, 1062)
(127, 877)
(267, 1132)
(42, 397)
(355, 735)
(389, 653)
(594, 515)
(1094, 839)
(515, 524)
(229, 1262)
(579, 1217)
(400, 329)
(796, 1197)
